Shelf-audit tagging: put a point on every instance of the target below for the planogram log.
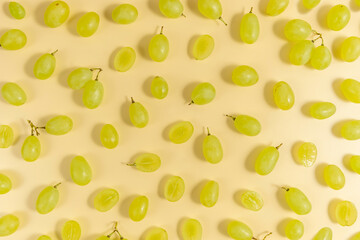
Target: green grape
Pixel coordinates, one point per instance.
(252, 200)
(6, 136)
(109, 136)
(321, 57)
(106, 199)
(125, 14)
(266, 160)
(356, 237)
(239, 231)
(351, 130)
(245, 76)
(191, 229)
(309, 4)
(45, 65)
(203, 47)
(139, 116)
(159, 47)
(338, 17)
(324, 234)
(209, 194)
(350, 49)
(48, 199)
(249, 28)
(5, 184)
(283, 95)
(174, 189)
(307, 154)
(351, 90)
(8, 225)
(93, 94)
(138, 208)
(346, 213)
(212, 149)
(124, 59)
(31, 148)
(211, 9)
(301, 52)
(59, 125)
(355, 163)
(297, 201)
(80, 171)
(334, 177)
(44, 237)
(71, 230)
(147, 162)
(88, 24)
(181, 132)
(246, 125)
(294, 229)
(171, 8)
(203, 93)
(275, 7)
(14, 39)
(357, 2)
(17, 10)
(156, 233)
(13, 94)
(322, 110)
(159, 87)
(79, 77)
(56, 14)
(297, 30)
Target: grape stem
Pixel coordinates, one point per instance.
(131, 164)
(264, 237)
(162, 29)
(277, 148)
(54, 52)
(233, 118)
(182, 14)
(34, 129)
(97, 75)
(208, 131)
(285, 188)
(221, 19)
(56, 185)
(251, 9)
(319, 36)
(132, 100)
(191, 102)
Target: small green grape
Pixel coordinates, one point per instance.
(203, 47)
(138, 208)
(297, 30)
(301, 52)
(56, 14)
(156, 233)
(45, 66)
(191, 229)
(79, 77)
(139, 116)
(48, 199)
(246, 125)
(351, 90)
(106, 199)
(88, 24)
(239, 231)
(8, 225)
(338, 17)
(71, 230)
(80, 171)
(252, 200)
(350, 130)
(181, 132)
(31, 149)
(334, 177)
(284, 96)
(93, 94)
(356, 237)
(249, 28)
(294, 229)
(357, 2)
(14, 39)
(211, 9)
(171, 8)
(266, 160)
(275, 7)
(159, 47)
(59, 125)
(159, 87)
(310, 4)
(124, 59)
(147, 162)
(203, 94)
(322, 110)
(245, 76)
(350, 49)
(307, 154)
(212, 149)
(17, 10)
(5, 184)
(109, 136)
(297, 201)
(324, 234)
(174, 189)
(209, 194)
(321, 58)
(13, 94)
(346, 213)
(6, 136)
(355, 163)
(125, 14)
(44, 237)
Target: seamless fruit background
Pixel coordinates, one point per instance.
(269, 56)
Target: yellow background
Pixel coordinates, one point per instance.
(234, 174)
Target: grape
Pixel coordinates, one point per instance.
(338, 17)
(45, 66)
(80, 171)
(124, 59)
(88, 24)
(31, 148)
(309, 4)
(171, 8)
(355, 163)
(321, 57)
(294, 229)
(109, 136)
(301, 52)
(249, 28)
(191, 229)
(156, 233)
(44, 237)
(203, 93)
(239, 231)
(357, 2)
(266, 160)
(139, 116)
(138, 208)
(351, 130)
(211, 9)
(322, 110)
(324, 234)
(307, 154)
(6, 136)
(209, 194)
(106, 199)
(181, 132)
(8, 225)
(47, 199)
(174, 188)
(79, 77)
(71, 230)
(283, 95)
(93, 94)
(159, 87)
(56, 14)
(212, 149)
(125, 14)
(275, 7)
(345, 213)
(59, 125)
(14, 39)
(17, 10)
(351, 90)
(5, 184)
(13, 94)
(252, 200)
(203, 47)
(297, 201)
(350, 49)
(245, 76)
(246, 125)
(334, 177)
(159, 47)
(147, 162)
(297, 30)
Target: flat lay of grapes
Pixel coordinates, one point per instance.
(179, 119)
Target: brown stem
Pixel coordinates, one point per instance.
(162, 29)
(221, 19)
(208, 131)
(34, 129)
(285, 188)
(53, 53)
(131, 164)
(132, 100)
(97, 75)
(251, 9)
(182, 14)
(191, 103)
(267, 235)
(232, 117)
(279, 146)
(56, 185)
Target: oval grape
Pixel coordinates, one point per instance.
(275, 7)
(203, 93)
(247, 125)
(294, 229)
(350, 130)
(88, 24)
(245, 76)
(71, 230)
(156, 233)
(203, 47)
(324, 234)
(14, 39)
(307, 154)
(252, 200)
(45, 66)
(93, 94)
(334, 177)
(139, 116)
(159, 87)
(350, 49)
(159, 47)
(5, 184)
(124, 59)
(125, 14)
(191, 229)
(44, 237)
(351, 90)
(239, 231)
(79, 77)
(249, 28)
(310, 4)
(56, 14)
(8, 225)
(297, 30)
(106, 200)
(322, 110)
(31, 149)
(174, 189)
(13, 94)
(138, 208)
(147, 162)
(209, 194)
(47, 199)
(346, 213)
(80, 171)
(355, 163)
(266, 160)
(321, 58)
(211, 9)
(17, 10)
(283, 95)
(6, 136)
(109, 136)
(297, 201)
(181, 132)
(171, 8)
(301, 52)
(59, 125)
(212, 149)
(338, 17)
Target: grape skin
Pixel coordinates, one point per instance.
(210, 9)
(239, 231)
(147, 162)
(159, 47)
(338, 17)
(181, 132)
(322, 110)
(283, 95)
(88, 24)
(203, 47)
(266, 160)
(297, 201)
(79, 77)
(307, 154)
(71, 230)
(80, 171)
(106, 200)
(93, 94)
(297, 30)
(203, 93)
(139, 116)
(350, 49)
(247, 125)
(245, 76)
(45, 66)
(171, 8)
(191, 229)
(56, 14)
(209, 194)
(324, 234)
(6, 136)
(17, 10)
(5, 184)
(14, 39)
(294, 229)
(138, 208)
(310, 4)
(109, 136)
(346, 213)
(174, 189)
(44, 237)
(334, 177)
(355, 163)
(59, 125)
(8, 225)
(351, 90)
(47, 199)
(31, 149)
(159, 87)
(13, 94)
(249, 28)
(124, 59)
(351, 130)
(301, 52)
(212, 149)
(276, 7)
(125, 14)
(321, 58)
(156, 233)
